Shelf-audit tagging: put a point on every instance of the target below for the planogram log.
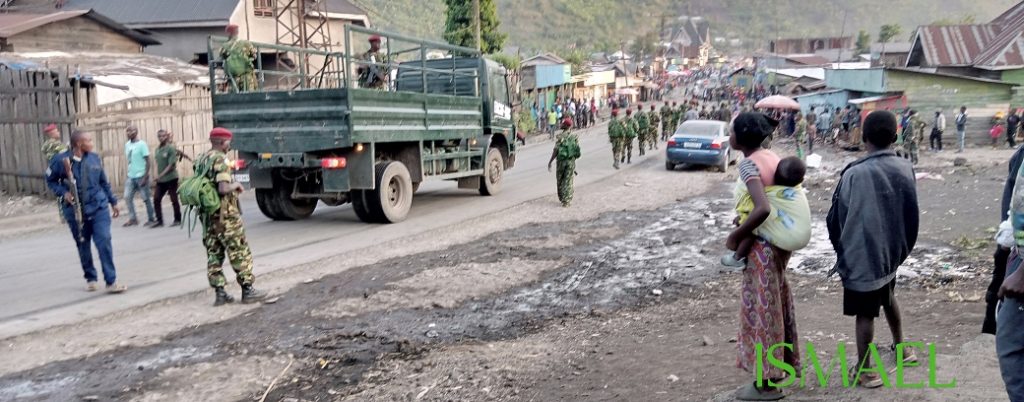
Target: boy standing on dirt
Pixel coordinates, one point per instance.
(872, 242)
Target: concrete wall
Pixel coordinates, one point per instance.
(929, 92)
(182, 43)
(552, 75)
(861, 80)
(832, 100)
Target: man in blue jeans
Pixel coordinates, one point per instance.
(97, 201)
(137, 154)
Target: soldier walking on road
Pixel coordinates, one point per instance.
(666, 120)
(642, 126)
(223, 233)
(616, 134)
(655, 127)
(631, 130)
(96, 205)
(567, 150)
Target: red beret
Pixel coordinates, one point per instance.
(615, 112)
(231, 29)
(639, 106)
(374, 38)
(629, 112)
(652, 107)
(220, 133)
(50, 127)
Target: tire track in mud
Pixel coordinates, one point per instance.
(604, 264)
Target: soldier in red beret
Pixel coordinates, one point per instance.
(239, 56)
(371, 73)
(223, 232)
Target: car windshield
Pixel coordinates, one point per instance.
(699, 129)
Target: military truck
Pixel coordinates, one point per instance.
(309, 134)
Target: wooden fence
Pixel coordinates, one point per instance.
(28, 102)
(31, 100)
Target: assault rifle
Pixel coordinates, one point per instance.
(76, 201)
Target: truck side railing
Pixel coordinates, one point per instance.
(279, 67)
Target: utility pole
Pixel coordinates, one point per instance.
(476, 25)
(842, 37)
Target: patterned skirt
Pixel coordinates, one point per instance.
(767, 316)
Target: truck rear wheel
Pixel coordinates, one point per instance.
(359, 205)
(265, 200)
(494, 173)
(277, 204)
(391, 200)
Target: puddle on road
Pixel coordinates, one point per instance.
(34, 389)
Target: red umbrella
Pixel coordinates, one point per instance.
(777, 102)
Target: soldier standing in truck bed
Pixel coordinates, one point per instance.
(373, 75)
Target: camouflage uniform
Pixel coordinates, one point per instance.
(245, 81)
(653, 130)
(800, 134)
(913, 143)
(368, 78)
(565, 170)
(630, 135)
(223, 232)
(52, 147)
(666, 117)
(642, 125)
(617, 134)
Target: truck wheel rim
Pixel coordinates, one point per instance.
(495, 171)
(394, 191)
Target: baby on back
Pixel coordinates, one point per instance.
(788, 227)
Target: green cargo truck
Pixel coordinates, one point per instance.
(309, 134)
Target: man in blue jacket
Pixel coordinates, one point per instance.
(98, 204)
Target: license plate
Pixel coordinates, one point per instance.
(242, 177)
(693, 145)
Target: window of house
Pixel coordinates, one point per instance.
(263, 8)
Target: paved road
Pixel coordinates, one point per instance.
(41, 284)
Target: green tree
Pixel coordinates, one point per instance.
(863, 42)
(577, 58)
(458, 27)
(510, 62)
(888, 32)
(645, 45)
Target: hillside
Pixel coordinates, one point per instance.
(602, 24)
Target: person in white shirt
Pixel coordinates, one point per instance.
(961, 127)
(935, 140)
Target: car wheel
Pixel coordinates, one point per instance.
(724, 166)
(670, 165)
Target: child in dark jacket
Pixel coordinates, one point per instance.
(873, 225)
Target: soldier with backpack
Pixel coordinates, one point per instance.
(567, 150)
(238, 56)
(617, 136)
(212, 193)
(642, 125)
(655, 126)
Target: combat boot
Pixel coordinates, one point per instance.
(251, 295)
(222, 297)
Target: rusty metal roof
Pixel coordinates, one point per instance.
(993, 46)
(955, 45)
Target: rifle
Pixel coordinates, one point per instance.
(76, 200)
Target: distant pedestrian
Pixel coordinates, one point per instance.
(167, 158)
(97, 203)
(667, 127)
(139, 165)
(552, 120)
(566, 151)
(938, 128)
(916, 136)
(800, 135)
(961, 127)
(223, 231)
(871, 242)
(1012, 123)
(996, 133)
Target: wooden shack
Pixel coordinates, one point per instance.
(78, 30)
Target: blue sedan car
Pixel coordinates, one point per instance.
(700, 142)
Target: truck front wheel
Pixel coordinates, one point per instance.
(494, 173)
(391, 199)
